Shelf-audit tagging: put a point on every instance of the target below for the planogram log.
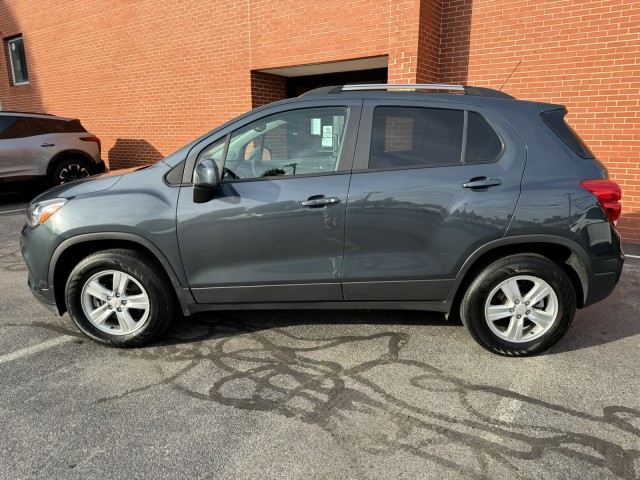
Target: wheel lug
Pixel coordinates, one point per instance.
(108, 297)
(119, 309)
(124, 302)
(528, 312)
(526, 303)
(117, 295)
(519, 316)
(511, 310)
(517, 302)
(110, 307)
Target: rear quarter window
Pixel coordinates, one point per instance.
(41, 126)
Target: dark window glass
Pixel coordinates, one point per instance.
(40, 126)
(483, 144)
(405, 137)
(18, 61)
(13, 127)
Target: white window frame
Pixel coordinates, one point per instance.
(11, 54)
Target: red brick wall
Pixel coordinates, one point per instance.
(147, 76)
(583, 54)
(267, 88)
(429, 42)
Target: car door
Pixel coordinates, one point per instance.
(17, 148)
(274, 231)
(432, 182)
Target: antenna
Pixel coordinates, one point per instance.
(512, 72)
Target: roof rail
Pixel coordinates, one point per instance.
(408, 86)
(468, 90)
(27, 113)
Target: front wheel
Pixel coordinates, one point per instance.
(119, 298)
(69, 170)
(519, 305)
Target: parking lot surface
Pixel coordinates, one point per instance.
(307, 394)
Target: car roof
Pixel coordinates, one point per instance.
(442, 93)
(12, 113)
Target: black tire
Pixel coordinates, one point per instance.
(70, 169)
(522, 267)
(143, 277)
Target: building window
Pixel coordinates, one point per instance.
(18, 61)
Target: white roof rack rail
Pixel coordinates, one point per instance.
(408, 86)
(465, 89)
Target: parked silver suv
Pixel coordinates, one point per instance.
(42, 145)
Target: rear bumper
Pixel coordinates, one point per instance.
(601, 286)
(100, 167)
(606, 276)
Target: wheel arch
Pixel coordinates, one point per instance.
(74, 249)
(66, 154)
(563, 251)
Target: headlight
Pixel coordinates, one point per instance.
(39, 212)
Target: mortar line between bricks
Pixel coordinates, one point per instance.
(35, 348)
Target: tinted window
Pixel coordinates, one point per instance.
(298, 142)
(483, 143)
(13, 127)
(416, 137)
(40, 126)
(405, 137)
(18, 61)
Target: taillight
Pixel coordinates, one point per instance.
(93, 139)
(608, 194)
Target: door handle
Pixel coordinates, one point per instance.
(48, 145)
(319, 201)
(482, 183)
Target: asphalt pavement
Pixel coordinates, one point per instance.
(309, 394)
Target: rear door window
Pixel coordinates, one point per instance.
(483, 143)
(416, 137)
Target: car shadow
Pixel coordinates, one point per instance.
(21, 191)
(221, 324)
(613, 319)
(609, 321)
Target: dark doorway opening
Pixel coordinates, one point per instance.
(296, 86)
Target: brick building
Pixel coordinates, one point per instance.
(149, 75)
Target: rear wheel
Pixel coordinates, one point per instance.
(70, 169)
(519, 305)
(119, 298)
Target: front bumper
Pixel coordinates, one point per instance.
(45, 296)
(36, 246)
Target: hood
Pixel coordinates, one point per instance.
(96, 183)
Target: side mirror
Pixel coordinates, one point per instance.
(206, 180)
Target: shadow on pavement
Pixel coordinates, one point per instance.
(20, 192)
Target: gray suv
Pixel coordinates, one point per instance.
(468, 202)
(41, 145)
